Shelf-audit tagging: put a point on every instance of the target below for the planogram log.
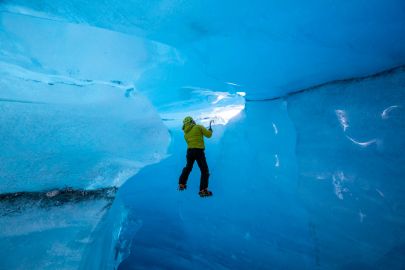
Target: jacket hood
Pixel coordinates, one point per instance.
(187, 127)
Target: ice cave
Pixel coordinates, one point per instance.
(306, 159)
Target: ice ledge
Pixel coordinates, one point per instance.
(58, 131)
(60, 229)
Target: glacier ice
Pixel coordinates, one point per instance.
(58, 133)
(291, 189)
(306, 161)
(271, 47)
(253, 219)
(352, 160)
(51, 230)
(64, 121)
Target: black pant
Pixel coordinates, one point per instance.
(195, 154)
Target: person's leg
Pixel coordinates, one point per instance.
(189, 166)
(202, 163)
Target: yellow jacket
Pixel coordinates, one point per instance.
(193, 134)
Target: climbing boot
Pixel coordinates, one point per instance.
(205, 193)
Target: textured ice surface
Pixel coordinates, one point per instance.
(77, 50)
(350, 143)
(267, 47)
(312, 181)
(254, 220)
(67, 119)
(53, 230)
(57, 132)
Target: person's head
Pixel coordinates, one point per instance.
(188, 120)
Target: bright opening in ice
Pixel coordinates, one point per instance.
(203, 105)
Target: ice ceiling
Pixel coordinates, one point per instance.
(266, 48)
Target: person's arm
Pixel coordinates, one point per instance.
(206, 132)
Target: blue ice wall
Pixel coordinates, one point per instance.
(253, 219)
(308, 181)
(59, 229)
(350, 158)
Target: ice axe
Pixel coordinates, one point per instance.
(212, 121)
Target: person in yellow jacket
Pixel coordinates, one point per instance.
(194, 136)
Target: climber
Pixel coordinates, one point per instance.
(194, 136)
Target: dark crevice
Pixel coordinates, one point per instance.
(19, 101)
(334, 82)
(57, 197)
